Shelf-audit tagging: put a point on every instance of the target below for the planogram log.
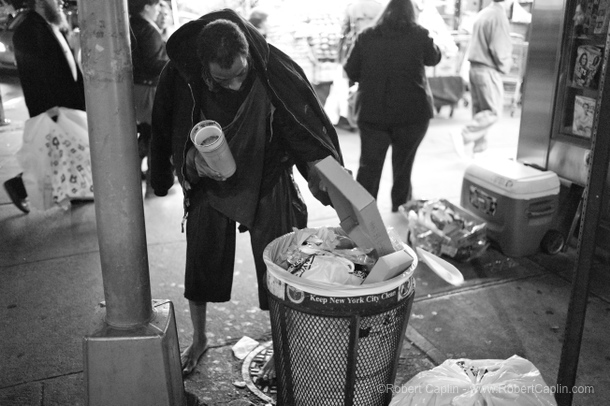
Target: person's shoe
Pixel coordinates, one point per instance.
(15, 189)
(480, 145)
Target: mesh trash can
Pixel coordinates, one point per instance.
(335, 345)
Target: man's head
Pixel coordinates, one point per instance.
(50, 10)
(223, 51)
(507, 4)
(258, 19)
(146, 8)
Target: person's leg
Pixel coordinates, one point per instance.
(374, 143)
(144, 136)
(405, 141)
(210, 258)
(191, 355)
(487, 103)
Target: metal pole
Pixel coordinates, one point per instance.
(107, 71)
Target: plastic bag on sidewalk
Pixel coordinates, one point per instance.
(488, 382)
(55, 158)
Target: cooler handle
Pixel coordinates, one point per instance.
(541, 213)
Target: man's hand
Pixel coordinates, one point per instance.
(196, 168)
(316, 184)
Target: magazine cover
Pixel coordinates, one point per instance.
(588, 61)
(590, 16)
(601, 22)
(584, 109)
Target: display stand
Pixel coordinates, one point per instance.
(582, 84)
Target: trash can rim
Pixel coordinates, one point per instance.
(322, 289)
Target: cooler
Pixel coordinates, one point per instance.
(517, 201)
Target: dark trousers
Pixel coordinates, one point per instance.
(210, 240)
(375, 140)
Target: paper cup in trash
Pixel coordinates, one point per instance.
(210, 141)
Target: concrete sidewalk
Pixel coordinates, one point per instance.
(52, 284)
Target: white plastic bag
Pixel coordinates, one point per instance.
(55, 158)
(336, 105)
(464, 382)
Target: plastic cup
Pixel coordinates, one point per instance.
(210, 141)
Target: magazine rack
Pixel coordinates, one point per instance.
(580, 85)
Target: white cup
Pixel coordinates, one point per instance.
(210, 141)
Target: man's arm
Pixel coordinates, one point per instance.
(501, 46)
(162, 175)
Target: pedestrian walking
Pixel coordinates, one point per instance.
(490, 56)
(48, 71)
(148, 57)
(388, 61)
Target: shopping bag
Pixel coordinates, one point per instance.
(55, 158)
(353, 105)
(489, 382)
(336, 104)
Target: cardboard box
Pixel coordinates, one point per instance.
(360, 219)
(356, 208)
(389, 266)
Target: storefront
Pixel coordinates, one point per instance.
(562, 109)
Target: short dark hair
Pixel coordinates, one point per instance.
(258, 18)
(136, 6)
(221, 41)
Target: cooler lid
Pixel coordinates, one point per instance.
(513, 179)
(357, 209)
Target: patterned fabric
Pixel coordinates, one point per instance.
(70, 164)
(55, 158)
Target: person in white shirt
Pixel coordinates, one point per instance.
(490, 56)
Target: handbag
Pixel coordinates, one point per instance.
(353, 105)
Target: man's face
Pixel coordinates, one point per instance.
(51, 11)
(232, 78)
(151, 11)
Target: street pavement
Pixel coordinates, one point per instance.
(51, 285)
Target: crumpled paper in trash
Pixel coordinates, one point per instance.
(244, 346)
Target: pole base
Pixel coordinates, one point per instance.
(132, 367)
(4, 122)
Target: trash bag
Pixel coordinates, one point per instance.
(488, 382)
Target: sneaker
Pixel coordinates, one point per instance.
(480, 145)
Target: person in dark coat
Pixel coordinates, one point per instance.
(48, 72)
(395, 101)
(148, 57)
(221, 68)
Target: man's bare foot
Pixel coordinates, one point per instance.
(190, 357)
